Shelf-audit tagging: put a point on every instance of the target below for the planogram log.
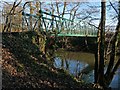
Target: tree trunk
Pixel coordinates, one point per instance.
(101, 44)
(96, 55)
(31, 12)
(99, 59)
(111, 68)
(100, 78)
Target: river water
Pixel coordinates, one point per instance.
(77, 62)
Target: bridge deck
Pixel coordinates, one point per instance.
(78, 35)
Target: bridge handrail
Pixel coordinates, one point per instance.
(40, 11)
(23, 13)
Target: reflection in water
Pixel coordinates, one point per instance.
(116, 81)
(77, 63)
(72, 66)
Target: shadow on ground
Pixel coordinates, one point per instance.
(24, 67)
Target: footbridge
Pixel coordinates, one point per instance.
(58, 25)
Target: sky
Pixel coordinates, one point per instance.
(92, 2)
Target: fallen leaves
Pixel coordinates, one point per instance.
(23, 67)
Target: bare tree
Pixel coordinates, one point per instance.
(10, 16)
(102, 79)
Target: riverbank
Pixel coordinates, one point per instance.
(81, 65)
(84, 44)
(23, 66)
(77, 44)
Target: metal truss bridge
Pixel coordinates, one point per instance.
(54, 24)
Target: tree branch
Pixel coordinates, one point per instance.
(113, 7)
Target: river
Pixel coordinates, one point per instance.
(77, 62)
